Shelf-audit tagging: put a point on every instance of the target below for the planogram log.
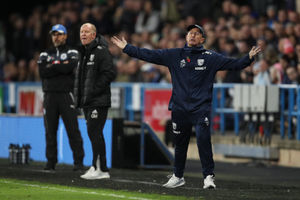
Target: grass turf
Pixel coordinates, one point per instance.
(11, 189)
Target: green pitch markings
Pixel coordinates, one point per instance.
(11, 189)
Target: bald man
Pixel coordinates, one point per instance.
(92, 93)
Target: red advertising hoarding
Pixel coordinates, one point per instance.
(156, 108)
(30, 100)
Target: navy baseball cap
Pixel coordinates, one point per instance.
(58, 28)
(198, 27)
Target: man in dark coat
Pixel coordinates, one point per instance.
(92, 93)
(193, 70)
(56, 68)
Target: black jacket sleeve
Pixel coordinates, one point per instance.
(67, 66)
(45, 67)
(49, 70)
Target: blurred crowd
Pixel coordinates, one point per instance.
(232, 28)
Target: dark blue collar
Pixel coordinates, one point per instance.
(194, 49)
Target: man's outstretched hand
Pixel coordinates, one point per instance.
(120, 43)
(254, 51)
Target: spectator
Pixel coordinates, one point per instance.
(150, 74)
(271, 15)
(22, 70)
(10, 72)
(148, 19)
(270, 38)
(33, 70)
(293, 17)
(288, 50)
(292, 75)
(126, 16)
(279, 30)
(169, 11)
(262, 74)
(247, 75)
(17, 48)
(134, 72)
(297, 49)
(297, 30)
(230, 48)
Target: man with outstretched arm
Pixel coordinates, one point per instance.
(193, 70)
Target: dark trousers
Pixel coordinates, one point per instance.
(95, 120)
(182, 124)
(61, 104)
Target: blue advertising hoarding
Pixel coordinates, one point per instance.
(30, 130)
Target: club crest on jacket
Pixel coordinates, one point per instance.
(94, 114)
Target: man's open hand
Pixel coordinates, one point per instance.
(120, 43)
(254, 51)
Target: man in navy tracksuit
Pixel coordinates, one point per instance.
(193, 70)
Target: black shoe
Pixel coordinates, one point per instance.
(78, 167)
(49, 167)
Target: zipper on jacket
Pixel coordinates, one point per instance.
(81, 81)
(57, 52)
(190, 71)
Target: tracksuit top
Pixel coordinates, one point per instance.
(192, 70)
(57, 74)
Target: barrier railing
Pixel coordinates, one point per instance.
(133, 101)
(219, 107)
(289, 109)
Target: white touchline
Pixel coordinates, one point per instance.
(124, 180)
(146, 183)
(73, 190)
(131, 181)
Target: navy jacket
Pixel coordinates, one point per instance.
(192, 70)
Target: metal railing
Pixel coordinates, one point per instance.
(289, 109)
